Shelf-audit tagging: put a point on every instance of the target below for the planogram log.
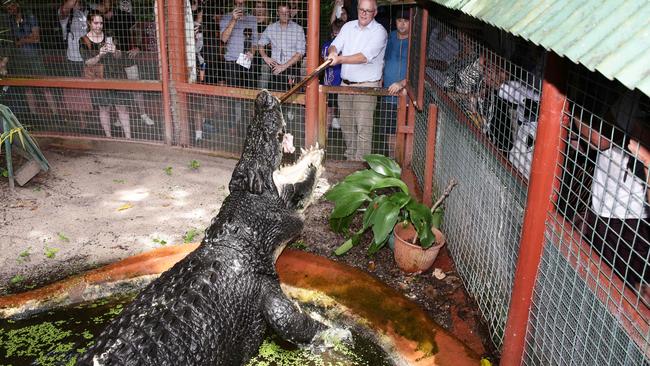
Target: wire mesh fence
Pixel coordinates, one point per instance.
(87, 112)
(594, 274)
(43, 38)
(360, 121)
(591, 299)
(487, 116)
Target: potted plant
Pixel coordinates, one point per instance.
(413, 258)
(384, 200)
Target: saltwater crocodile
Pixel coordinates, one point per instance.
(214, 306)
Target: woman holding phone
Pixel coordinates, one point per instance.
(101, 56)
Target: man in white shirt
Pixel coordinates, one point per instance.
(359, 48)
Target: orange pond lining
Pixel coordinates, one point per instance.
(412, 331)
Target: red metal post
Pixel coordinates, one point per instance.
(542, 179)
(430, 155)
(178, 63)
(401, 125)
(164, 72)
(408, 137)
(313, 52)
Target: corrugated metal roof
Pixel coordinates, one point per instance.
(610, 36)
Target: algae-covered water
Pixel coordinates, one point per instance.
(56, 337)
(59, 337)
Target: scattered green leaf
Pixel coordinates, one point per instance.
(159, 241)
(299, 244)
(62, 237)
(23, 255)
(190, 235)
(168, 170)
(51, 252)
(17, 279)
(194, 164)
(119, 181)
(37, 189)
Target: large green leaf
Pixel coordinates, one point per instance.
(390, 182)
(384, 220)
(364, 178)
(344, 248)
(350, 243)
(421, 218)
(383, 165)
(342, 190)
(341, 224)
(401, 199)
(346, 207)
(372, 208)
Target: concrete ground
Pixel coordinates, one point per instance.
(103, 201)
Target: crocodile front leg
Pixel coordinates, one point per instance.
(286, 319)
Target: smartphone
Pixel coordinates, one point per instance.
(109, 40)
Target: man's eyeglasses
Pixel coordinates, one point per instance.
(366, 11)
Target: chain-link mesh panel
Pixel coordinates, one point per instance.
(592, 293)
(360, 122)
(219, 123)
(87, 112)
(246, 44)
(568, 324)
(483, 216)
(498, 96)
(44, 38)
(420, 139)
(487, 117)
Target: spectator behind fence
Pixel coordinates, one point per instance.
(100, 55)
(361, 44)
(197, 16)
(395, 63)
(287, 40)
(120, 21)
(340, 11)
(72, 16)
(443, 48)
(238, 58)
(213, 50)
(297, 13)
(616, 225)
(261, 13)
(25, 57)
(332, 77)
(526, 101)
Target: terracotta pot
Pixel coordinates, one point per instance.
(411, 258)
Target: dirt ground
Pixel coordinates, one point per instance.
(101, 202)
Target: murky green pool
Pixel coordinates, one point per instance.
(59, 337)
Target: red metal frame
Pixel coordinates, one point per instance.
(178, 64)
(164, 72)
(401, 126)
(540, 189)
(77, 83)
